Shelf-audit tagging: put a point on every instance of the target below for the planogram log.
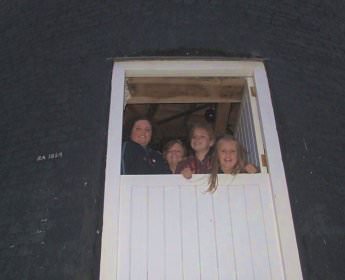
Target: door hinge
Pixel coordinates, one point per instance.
(264, 160)
(253, 91)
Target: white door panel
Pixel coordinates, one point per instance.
(177, 231)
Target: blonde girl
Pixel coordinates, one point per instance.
(228, 158)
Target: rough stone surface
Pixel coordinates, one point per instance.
(54, 98)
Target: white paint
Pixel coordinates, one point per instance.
(250, 234)
(280, 194)
(245, 131)
(108, 268)
(223, 235)
(173, 233)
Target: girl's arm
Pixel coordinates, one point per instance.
(186, 168)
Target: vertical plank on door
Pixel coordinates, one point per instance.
(190, 234)
(156, 239)
(124, 250)
(224, 235)
(207, 241)
(173, 232)
(271, 232)
(242, 248)
(256, 226)
(139, 233)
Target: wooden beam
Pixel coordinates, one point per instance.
(159, 93)
(208, 81)
(183, 114)
(222, 116)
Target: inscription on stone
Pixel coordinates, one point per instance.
(50, 156)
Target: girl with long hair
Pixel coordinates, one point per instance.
(228, 158)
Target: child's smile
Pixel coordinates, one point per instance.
(201, 141)
(227, 155)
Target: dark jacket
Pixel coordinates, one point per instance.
(139, 160)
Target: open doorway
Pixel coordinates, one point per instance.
(174, 104)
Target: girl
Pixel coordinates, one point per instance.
(201, 141)
(228, 158)
(174, 152)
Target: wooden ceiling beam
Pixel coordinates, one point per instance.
(182, 114)
(208, 81)
(158, 93)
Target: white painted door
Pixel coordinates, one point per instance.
(170, 228)
(165, 227)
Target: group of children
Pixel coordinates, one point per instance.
(226, 155)
(209, 156)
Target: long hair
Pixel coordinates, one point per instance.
(213, 179)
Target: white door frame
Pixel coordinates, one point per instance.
(192, 68)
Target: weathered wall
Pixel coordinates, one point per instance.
(54, 99)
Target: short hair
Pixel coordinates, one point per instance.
(205, 126)
(172, 142)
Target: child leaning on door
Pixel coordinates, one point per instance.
(228, 156)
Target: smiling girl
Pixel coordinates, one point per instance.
(201, 141)
(228, 158)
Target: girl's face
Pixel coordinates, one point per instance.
(201, 140)
(175, 154)
(227, 155)
(141, 132)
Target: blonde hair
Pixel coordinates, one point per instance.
(213, 179)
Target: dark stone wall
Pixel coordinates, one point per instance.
(54, 98)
